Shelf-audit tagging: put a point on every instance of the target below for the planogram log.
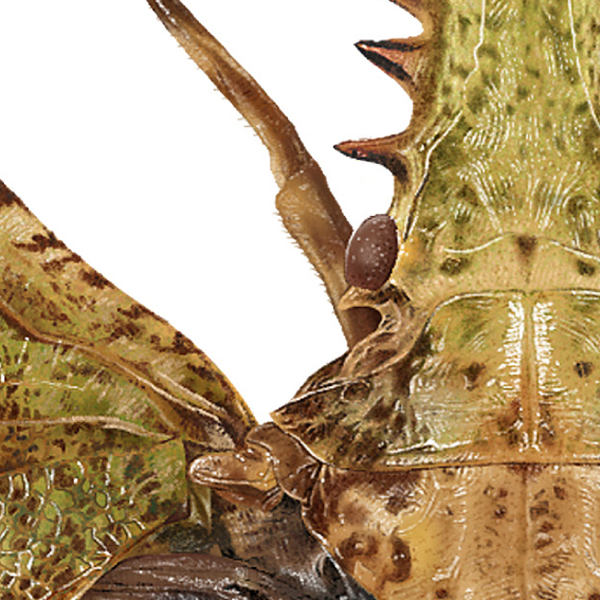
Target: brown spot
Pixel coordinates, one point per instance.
(358, 544)
(19, 544)
(63, 478)
(546, 527)
(135, 311)
(7, 196)
(500, 512)
(472, 373)
(542, 542)
(594, 596)
(441, 593)
(526, 245)
(57, 265)
(129, 330)
(454, 265)
(585, 268)
(560, 492)
(77, 544)
(380, 411)
(540, 509)
(583, 368)
(63, 577)
(526, 470)
(401, 560)
(38, 592)
(94, 279)
(400, 500)
(24, 584)
(40, 243)
(181, 344)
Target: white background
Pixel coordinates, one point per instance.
(117, 142)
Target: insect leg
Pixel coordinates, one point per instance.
(307, 207)
(193, 576)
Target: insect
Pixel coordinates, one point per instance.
(450, 453)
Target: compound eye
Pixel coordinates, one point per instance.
(372, 252)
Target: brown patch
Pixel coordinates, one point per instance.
(500, 512)
(61, 578)
(24, 584)
(129, 330)
(560, 492)
(526, 470)
(543, 542)
(594, 596)
(58, 265)
(583, 368)
(585, 268)
(40, 243)
(181, 344)
(526, 245)
(380, 411)
(401, 560)
(135, 311)
(7, 196)
(358, 544)
(472, 374)
(441, 593)
(111, 546)
(540, 509)
(454, 265)
(546, 526)
(94, 279)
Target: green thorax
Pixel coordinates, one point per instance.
(502, 150)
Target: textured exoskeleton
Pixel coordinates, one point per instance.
(452, 452)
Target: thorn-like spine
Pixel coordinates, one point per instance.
(383, 151)
(403, 60)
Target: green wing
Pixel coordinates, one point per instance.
(101, 405)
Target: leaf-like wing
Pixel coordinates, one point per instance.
(101, 403)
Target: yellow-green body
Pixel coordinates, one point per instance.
(453, 452)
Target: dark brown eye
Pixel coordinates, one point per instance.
(372, 252)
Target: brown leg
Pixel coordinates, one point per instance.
(205, 577)
(309, 211)
(189, 577)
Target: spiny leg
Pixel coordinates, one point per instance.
(309, 211)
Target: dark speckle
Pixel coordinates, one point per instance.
(181, 344)
(401, 560)
(7, 197)
(453, 265)
(40, 243)
(585, 268)
(357, 545)
(94, 279)
(560, 492)
(441, 593)
(540, 509)
(526, 245)
(472, 373)
(583, 368)
(135, 311)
